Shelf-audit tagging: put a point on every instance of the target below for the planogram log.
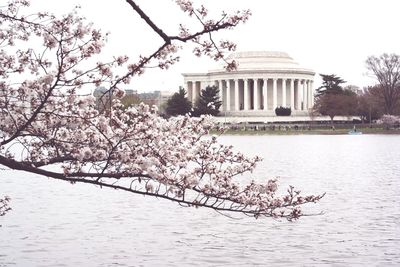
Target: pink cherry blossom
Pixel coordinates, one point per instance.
(45, 113)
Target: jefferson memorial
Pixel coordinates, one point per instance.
(262, 81)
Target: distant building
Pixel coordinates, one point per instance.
(102, 98)
(157, 98)
(130, 92)
(99, 91)
(132, 97)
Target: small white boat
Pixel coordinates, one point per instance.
(354, 131)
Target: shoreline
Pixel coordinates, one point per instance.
(308, 132)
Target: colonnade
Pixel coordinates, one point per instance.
(258, 93)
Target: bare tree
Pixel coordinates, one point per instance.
(370, 105)
(336, 105)
(48, 127)
(386, 69)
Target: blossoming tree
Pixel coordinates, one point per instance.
(389, 120)
(48, 127)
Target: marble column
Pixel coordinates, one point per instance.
(194, 92)
(197, 90)
(246, 94)
(236, 96)
(274, 94)
(283, 92)
(228, 95)
(305, 95)
(255, 94)
(265, 93)
(292, 94)
(222, 91)
(312, 93)
(218, 84)
(309, 94)
(298, 94)
(189, 91)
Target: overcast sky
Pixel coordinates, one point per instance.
(328, 36)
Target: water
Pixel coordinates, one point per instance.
(54, 223)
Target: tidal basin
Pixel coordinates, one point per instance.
(54, 223)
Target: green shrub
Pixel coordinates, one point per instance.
(282, 111)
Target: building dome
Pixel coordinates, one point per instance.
(267, 61)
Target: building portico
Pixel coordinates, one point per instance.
(262, 82)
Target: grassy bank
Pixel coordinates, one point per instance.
(306, 131)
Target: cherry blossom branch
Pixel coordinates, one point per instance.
(219, 203)
(48, 127)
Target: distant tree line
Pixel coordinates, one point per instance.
(371, 103)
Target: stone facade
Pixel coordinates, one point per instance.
(262, 82)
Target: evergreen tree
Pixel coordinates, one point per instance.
(208, 102)
(178, 104)
(331, 84)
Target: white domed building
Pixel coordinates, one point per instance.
(263, 81)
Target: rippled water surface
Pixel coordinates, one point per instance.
(54, 223)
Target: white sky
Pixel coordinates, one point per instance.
(328, 36)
